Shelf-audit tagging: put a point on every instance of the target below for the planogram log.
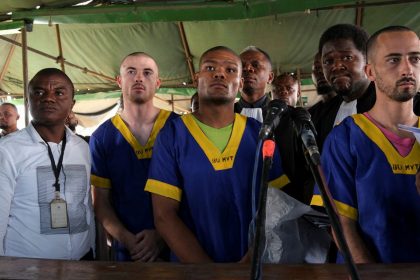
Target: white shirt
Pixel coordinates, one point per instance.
(255, 113)
(346, 109)
(26, 190)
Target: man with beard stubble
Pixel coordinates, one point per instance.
(370, 164)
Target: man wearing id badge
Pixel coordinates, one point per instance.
(45, 203)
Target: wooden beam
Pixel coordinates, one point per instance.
(84, 69)
(298, 75)
(173, 104)
(8, 60)
(60, 48)
(181, 99)
(25, 73)
(359, 14)
(363, 4)
(177, 86)
(308, 90)
(187, 52)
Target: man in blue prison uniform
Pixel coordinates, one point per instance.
(370, 164)
(121, 165)
(201, 170)
(121, 151)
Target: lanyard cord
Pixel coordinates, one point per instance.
(57, 168)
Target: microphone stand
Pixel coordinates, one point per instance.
(318, 174)
(259, 240)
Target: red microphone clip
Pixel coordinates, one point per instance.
(268, 148)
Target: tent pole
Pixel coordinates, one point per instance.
(359, 15)
(362, 4)
(60, 48)
(298, 73)
(84, 69)
(25, 73)
(168, 101)
(187, 51)
(8, 60)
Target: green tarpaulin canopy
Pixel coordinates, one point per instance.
(95, 37)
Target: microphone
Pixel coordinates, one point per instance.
(305, 128)
(275, 109)
(308, 139)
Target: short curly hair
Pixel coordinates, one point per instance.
(51, 71)
(283, 76)
(345, 31)
(218, 48)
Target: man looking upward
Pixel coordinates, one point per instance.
(121, 151)
(201, 172)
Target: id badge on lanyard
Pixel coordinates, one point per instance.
(58, 206)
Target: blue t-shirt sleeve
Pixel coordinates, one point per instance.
(164, 176)
(99, 170)
(339, 166)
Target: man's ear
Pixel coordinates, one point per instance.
(270, 77)
(118, 79)
(241, 84)
(369, 72)
(158, 83)
(195, 81)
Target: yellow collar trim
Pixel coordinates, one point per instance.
(142, 152)
(219, 160)
(400, 165)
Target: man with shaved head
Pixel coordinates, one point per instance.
(343, 56)
(121, 151)
(8, 118)
(201, 171)
(45, 202)
(370, 164)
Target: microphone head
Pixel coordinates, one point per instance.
(277, 103)
(275, 109)
(300, 117)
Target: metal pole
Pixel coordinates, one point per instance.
(299, 87)
(187, 51)
(8, 60)
(60, 48)
(172, 102)
(25, 73)
(84, 69)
